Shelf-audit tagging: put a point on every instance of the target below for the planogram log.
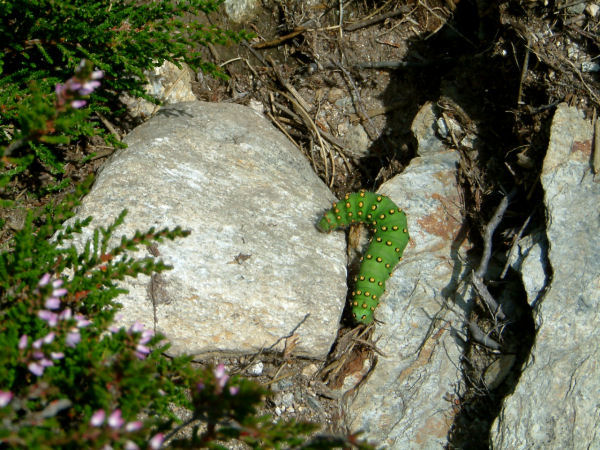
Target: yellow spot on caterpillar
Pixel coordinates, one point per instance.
(388, 243)
(358, 292)
(373, 207)
(379, 239)
(362, 278)
(363, 317)
(362, 193)
(374, 297)
(392, 211)
(395, 228)
(384, 228)
(367, 294)
(369, 256)
(348, 205)
(387, 266)
(361, 204)
(382, 216)
(397, 250)
(353, 294)
(364, 306)
(360, 213)
(346, 197)
(339, 217)
(372, 280)
(372, 308)
(355, 279)
(380, 283)
(379, 198)
(355, 303)
(369, 216)
(378, 259)
(349, 213)
(405, 230)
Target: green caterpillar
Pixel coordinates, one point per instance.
(388, 222)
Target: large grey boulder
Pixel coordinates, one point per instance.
(254, 269)
(556, 403)
(405, 402)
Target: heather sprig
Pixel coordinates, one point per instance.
(42, 43)
(71, 376)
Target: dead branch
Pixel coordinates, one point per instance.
(376, 19)
(280, 40)
(489, 233)
(477, 277)
(482, 338)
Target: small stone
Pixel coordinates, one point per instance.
(256, 369)
(287, 399)
(335, 94)
(592, 9)
(310, 370)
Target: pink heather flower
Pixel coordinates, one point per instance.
(88, 87)
(73, 338)
(133, 426)
(137, 327)
(146, 336)
(114, 329)
(5, 398)
(156, 442)
(48, 338)
(115, 420)
(59, 292)
(57, 355)
(129, 445)
(65, 314)
(23, 342)
(82, 321)
(57, 283)
(38, 355)
(46, 277)
(48, 316)
(36, 369)
(46, 362)
(221, 376)
(233, 390)
(141, 351)
(97, 418)
(37, 343)
(76, 104)
(97, 74)
(52, 303)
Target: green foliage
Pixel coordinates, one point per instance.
(72, 377)
(43, 41)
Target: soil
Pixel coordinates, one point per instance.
(347, 97)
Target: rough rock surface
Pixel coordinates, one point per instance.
(254, 265)
(167, 83)
(556, 402)
(405, 401)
